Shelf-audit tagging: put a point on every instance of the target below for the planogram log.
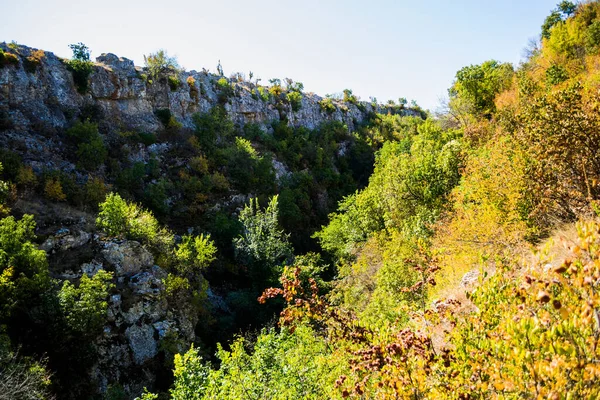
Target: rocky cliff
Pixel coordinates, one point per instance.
(39, 100)
(41, 93)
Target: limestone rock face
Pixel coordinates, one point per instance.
(64, 240)
(141, 342)
(139, 316)
(128, 257)
(47, 99)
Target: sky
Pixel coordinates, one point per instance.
(380, 48)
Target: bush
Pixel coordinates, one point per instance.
(212, 126)
(5, 121)
(147, 138)
(22, 378)
(85, 306)
(159, 63)
(95, 192)
(263, 93)
(225, 90)
(177, 289)
(23, 267)
(295, 99)
(91, 151)
(117, 217)
(327, 105)
(167, 119)
(592, 39)
(174, 82)
(92, 154)
(25, 177)
(193, 89)
(54, 190)
(8, 59)
(163, 115)
(194, 254)
(33, 61)
(349, 97)
(556, 74)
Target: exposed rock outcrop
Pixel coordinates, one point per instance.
(46, 98)
(139, 317)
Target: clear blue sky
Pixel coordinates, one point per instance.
(386, 49)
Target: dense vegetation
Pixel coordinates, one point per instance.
(361, 246)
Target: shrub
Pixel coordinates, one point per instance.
(156, 195)
(8, 59)
(22, 378)
(194, 254)
(478, 85)
(177, 289)
(199, 164)
(219, 182)
(5, 121)
(147, 138)
(26, 177)
(212, 126)
(167, 119)
(163, 115)
(159, 63)
(92, 154)
(4, 194)
(295, 99)
(263, 93)
(54, 190)
(349, 97)
(91, 151)
(191, 376)
(23, 267)
(263, 246)
(95, 191)
(85, 306)
(592, 39)
(193, 89)
(117, 217)
(556, 74)
(327, 105)
(275, 89)
(225, 90)
(33, 61)
(174, 82)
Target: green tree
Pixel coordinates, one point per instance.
(195, 253)
(262, 246)
(80, 52)
(80, 66)
(191, 376)
(91, 151)
(281, 365)
(27, 264)
(479, 85)
(563, 10)
(85, 306)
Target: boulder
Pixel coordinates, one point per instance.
(142, 343)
